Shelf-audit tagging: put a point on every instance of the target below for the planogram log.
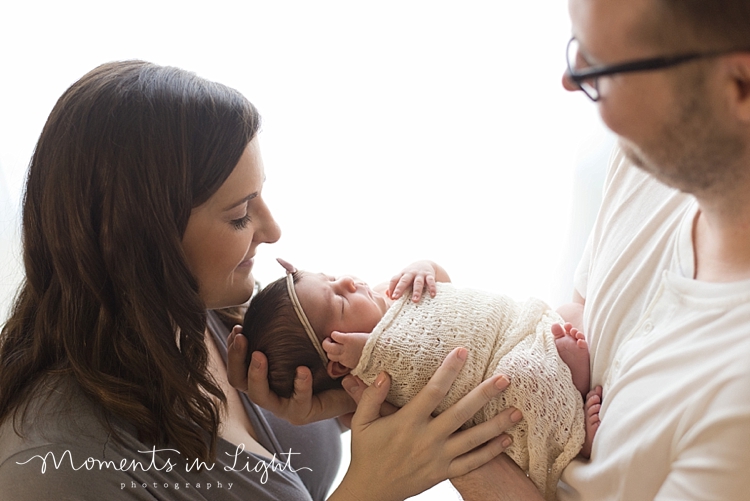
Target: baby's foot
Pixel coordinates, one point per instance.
(574, 351)
(591, 410)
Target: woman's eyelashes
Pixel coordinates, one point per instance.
(241, 223)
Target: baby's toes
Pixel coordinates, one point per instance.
(557, 331)
(593, 410)
(592, 399)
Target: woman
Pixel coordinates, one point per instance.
(143, 209)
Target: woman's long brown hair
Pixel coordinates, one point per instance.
(127, 152)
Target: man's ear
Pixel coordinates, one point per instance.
(336, 370)
(740, 74)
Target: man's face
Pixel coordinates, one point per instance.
(668, 121)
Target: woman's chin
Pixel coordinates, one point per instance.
(237, 296)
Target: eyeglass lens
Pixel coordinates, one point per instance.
(590, 86)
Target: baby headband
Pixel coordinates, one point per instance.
(299, 311)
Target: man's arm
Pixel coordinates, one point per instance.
(498, 480)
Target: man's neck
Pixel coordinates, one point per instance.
(721, 240)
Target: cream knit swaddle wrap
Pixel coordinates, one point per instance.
(503, 337)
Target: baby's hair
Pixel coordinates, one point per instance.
(272, 327)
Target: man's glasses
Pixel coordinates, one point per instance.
(587, 79)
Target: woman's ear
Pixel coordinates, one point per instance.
(336, 370)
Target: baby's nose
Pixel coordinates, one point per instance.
(349, 283)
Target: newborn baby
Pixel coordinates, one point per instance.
(338, 325)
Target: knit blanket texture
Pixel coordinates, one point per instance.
(503, 337)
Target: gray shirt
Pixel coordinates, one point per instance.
(67, 453)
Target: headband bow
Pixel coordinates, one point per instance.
(299, 311)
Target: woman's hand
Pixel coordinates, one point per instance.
(417, 276)
(302, 408)
(404, 453)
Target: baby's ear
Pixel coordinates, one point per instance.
(336, 370)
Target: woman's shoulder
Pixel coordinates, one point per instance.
(57, 413)
(46, 444)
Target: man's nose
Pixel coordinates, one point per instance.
(568, 83)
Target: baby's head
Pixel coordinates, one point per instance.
(272, 325)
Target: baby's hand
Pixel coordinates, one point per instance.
(417, 276)
(345, 347)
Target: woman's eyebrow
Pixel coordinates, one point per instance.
(240, 202)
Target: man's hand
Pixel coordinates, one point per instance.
(497, 480)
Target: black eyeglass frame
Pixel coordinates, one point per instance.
(649, 64)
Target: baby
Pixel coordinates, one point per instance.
(338, 325)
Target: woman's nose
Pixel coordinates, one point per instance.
(268, 230)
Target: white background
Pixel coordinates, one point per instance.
(392, 130)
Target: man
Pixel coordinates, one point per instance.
(666, 273)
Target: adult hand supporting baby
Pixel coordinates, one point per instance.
(500, 479)
(302, 408)
(409, 451)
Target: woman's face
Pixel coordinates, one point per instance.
(223, 233)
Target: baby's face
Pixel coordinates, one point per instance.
(344, 304)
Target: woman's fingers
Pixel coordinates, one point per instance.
(256, 386)
(412, 449)
(368, 408)
(464, 409)
(355, 387)
(303, 383)
(465, 441)
(440, 382)
(237, 372)
(302, 408)
(479, 456)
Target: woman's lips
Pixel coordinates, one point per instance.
(247, 263)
